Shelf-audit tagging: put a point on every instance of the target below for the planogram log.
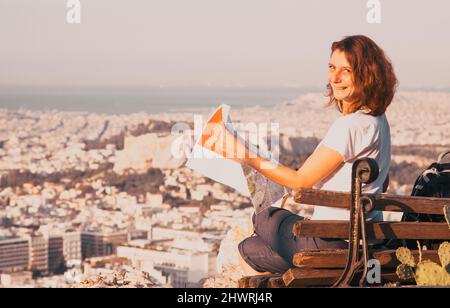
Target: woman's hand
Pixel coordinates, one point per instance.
(223, 142)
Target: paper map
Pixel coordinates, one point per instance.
(242, 178)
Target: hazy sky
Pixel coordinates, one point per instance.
(212, 42)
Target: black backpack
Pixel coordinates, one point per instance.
(433, 182)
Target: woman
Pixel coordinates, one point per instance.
(361, 84)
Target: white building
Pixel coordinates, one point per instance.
(159, 233)
(14, 254)
(72, 246)
(9, 280)
(38, 254)
(176, 267)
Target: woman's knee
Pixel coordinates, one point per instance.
(268, 223)
(260, 257)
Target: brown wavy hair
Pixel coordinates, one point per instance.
(373, 75)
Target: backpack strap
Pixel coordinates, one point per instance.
(425, 174)
(441, 156)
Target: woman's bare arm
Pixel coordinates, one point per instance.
(318, 166)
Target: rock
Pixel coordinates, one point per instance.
(119, 279)
(228, 266)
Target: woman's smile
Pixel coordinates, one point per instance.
(340, 76)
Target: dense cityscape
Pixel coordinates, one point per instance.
(89, 199)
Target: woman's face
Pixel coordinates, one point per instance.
(340, 76)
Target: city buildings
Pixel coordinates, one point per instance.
(57, 172)
(175, 267)
(99, 243)
(14, 254)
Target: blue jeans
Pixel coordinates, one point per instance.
(273, 245)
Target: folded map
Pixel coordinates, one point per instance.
(244, 179)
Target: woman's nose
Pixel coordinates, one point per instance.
(335, 77)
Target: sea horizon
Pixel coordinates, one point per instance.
(151, 99)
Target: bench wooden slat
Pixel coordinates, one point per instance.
(276, 282)
(261, 281)
(378, 230)
(332, 258)
(298, 277)
(302, 277)
(408, 204)
(383, 202)
(244, 282)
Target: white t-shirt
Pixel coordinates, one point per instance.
(355, 136)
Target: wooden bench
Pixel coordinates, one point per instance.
(343, 268)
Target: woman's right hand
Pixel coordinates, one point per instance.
(223, 142)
